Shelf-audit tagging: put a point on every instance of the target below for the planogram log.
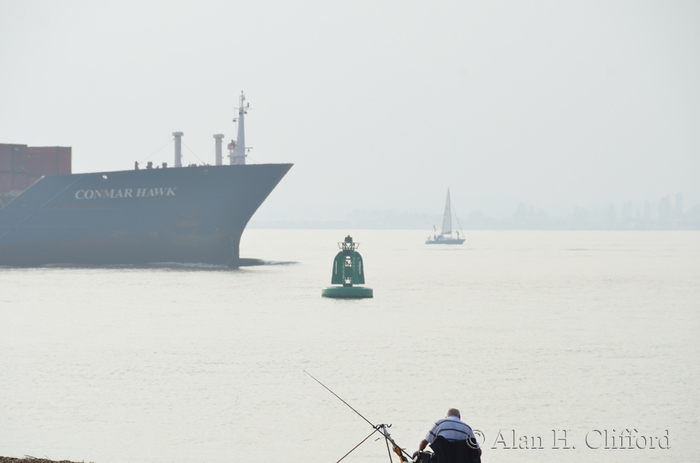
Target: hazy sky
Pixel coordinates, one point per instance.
(379, 104)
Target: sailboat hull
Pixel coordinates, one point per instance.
(440, 239)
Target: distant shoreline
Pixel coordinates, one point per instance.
(349, 225)
(662, 216)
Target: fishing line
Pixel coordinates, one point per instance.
(319, 382)
(391, 460)
(363, 441)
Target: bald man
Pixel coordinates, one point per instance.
(452, 428)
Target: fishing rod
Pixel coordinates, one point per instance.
(381, 428)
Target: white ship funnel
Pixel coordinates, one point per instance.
(218, 137)
(178, 148)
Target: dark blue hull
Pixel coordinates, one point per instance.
(190, 214)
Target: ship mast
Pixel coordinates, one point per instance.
(237, 149)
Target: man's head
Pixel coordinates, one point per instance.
(453, 412)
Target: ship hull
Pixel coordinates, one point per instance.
(184, 215)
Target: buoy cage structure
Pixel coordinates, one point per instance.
(348, 270)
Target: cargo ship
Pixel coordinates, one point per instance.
(190, 214)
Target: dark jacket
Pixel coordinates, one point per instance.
(458, 451)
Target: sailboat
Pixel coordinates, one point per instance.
(446, 233)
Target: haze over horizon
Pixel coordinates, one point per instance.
(380, 105)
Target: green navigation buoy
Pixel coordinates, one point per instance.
(348, 271)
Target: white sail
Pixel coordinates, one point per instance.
(447, 217)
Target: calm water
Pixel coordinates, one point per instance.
(525, 332)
